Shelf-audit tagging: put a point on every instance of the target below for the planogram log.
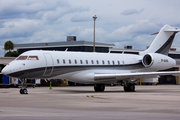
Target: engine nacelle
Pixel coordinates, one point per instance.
(158, 61)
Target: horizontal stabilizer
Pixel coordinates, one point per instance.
(168, 30)
(138, 75)
(172, 30)
(155, 33)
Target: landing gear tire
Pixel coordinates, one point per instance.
(99, 87)
(129, 88)
(23, 91)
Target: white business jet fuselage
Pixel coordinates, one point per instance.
(98, 68)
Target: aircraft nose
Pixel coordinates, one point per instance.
(5, 70)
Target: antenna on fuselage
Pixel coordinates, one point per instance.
(66, 50)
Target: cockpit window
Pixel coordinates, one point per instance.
(33, 58)
(22, 58)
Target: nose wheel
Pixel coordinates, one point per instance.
(23, 91)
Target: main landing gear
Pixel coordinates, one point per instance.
(23, 89)
(99, 87)
(130, 87)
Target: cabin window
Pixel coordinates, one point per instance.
(69, 61)
(64, 61)
(108, 62)
(118, 63)
(86, 61)
(81, 61)
(97, 61)
(58, 61)
(22, 58)
(33, 58)
(113, 62)
(92, 61)
(103, 62)
(75, 61)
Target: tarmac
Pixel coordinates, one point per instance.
(161, 102)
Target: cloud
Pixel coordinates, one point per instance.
(62, 11)
(132, 12)
(2, 51)
(21, 21)
(48, 36)
(128, 33)
(80, 18)
(139, 42)
(40, 9)
(51, 21)
(81, 32)
(19, 28)
(26, 9)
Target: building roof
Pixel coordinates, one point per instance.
(61, 44)
(125, 50)
(6, 60)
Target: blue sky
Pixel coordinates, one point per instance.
(122, 22)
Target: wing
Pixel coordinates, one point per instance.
(104, 77)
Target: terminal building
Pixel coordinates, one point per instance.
(85, 46)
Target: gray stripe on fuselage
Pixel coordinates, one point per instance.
(59, 70)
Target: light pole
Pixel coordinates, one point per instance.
(94, 17)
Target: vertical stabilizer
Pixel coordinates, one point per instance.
(163, 41)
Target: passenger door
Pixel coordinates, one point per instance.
(49, 64)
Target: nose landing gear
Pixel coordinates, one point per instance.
(23, 89)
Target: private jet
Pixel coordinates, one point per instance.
(97, 68)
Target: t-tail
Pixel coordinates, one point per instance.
(163, 41)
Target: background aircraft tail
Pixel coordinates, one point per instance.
(163, 41)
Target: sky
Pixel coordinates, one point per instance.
(121, 22)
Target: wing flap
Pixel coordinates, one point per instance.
(113, 76)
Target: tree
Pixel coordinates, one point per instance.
(12, 54)
(8, 45)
